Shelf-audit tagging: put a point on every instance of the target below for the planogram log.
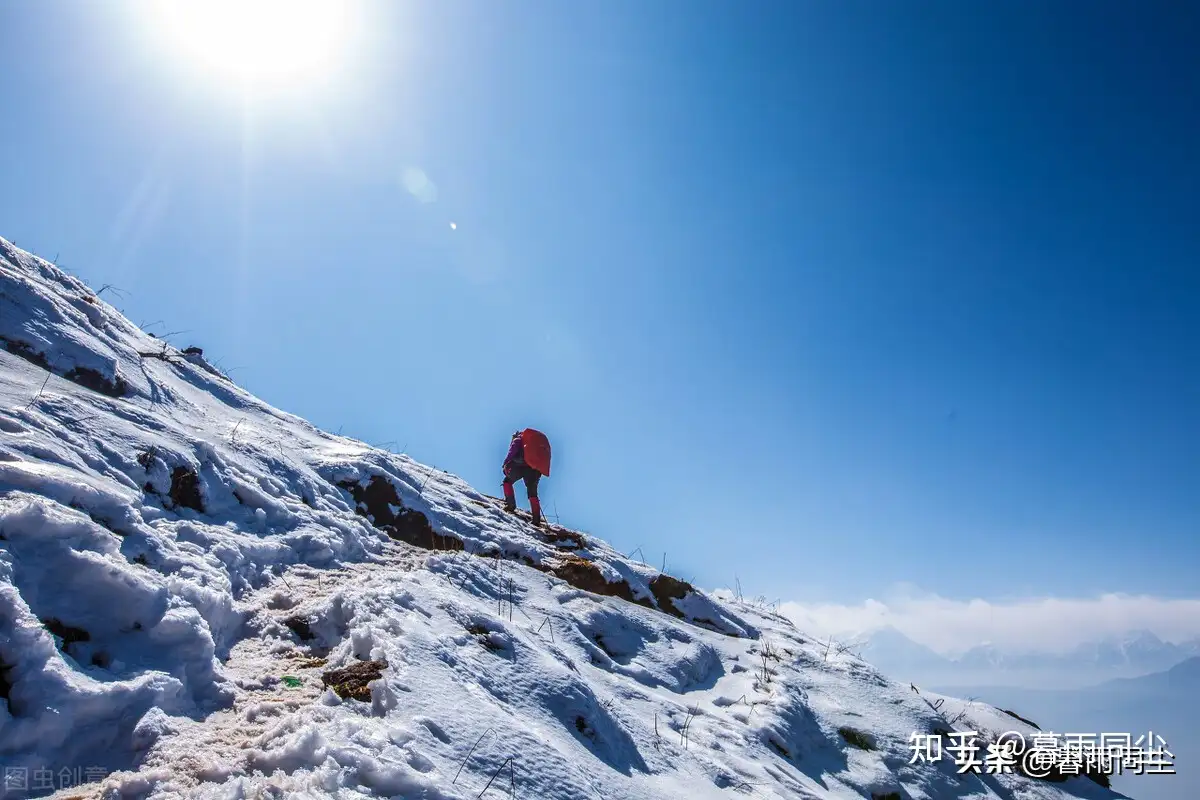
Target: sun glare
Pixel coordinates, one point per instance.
(257, 43)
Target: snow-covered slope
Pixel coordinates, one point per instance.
(184, 570)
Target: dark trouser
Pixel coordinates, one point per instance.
(522, 472)
(531, 477)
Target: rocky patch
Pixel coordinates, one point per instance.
(666, 589)
(185, 489)
(379, 502)
(352, 682)
(84, 376)
(68, 634)
(584, 574)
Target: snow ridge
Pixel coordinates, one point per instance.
(183, 567)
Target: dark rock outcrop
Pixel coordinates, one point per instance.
(68, 633)
(185, 489)
(301, 627)
(667, 589)
(584, 574)
(379, 502)
(91, 379)
(84, 376)
(26, 352)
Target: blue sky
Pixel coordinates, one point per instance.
(830, 296)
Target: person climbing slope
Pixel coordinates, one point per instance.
(528, 459)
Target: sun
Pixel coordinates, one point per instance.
(256, 43)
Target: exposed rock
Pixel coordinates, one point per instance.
(301, 627)
(84, 376)
(862, 741)
(185, 489)
(67, 633)
(563, 537)
(5, 686)
(22, 349)
(485, 638)
(351, 683)
(665, 589)
(584, 574)
(379, 502)
(91, 379)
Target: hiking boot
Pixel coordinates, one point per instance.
(535, 506)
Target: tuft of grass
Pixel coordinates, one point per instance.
(692, 712)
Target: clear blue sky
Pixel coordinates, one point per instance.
(828, 295)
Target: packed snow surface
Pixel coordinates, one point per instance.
(183, 566)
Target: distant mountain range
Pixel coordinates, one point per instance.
(1166, 703)
(1135, 653)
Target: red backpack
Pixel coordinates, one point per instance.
(537, 450)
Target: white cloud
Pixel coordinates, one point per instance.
(1051, 624)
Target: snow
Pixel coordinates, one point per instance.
(181, 563)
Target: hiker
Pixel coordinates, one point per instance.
(528, 459)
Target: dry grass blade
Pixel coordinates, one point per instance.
(508, 762)
(469, 752)
(39, 391)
